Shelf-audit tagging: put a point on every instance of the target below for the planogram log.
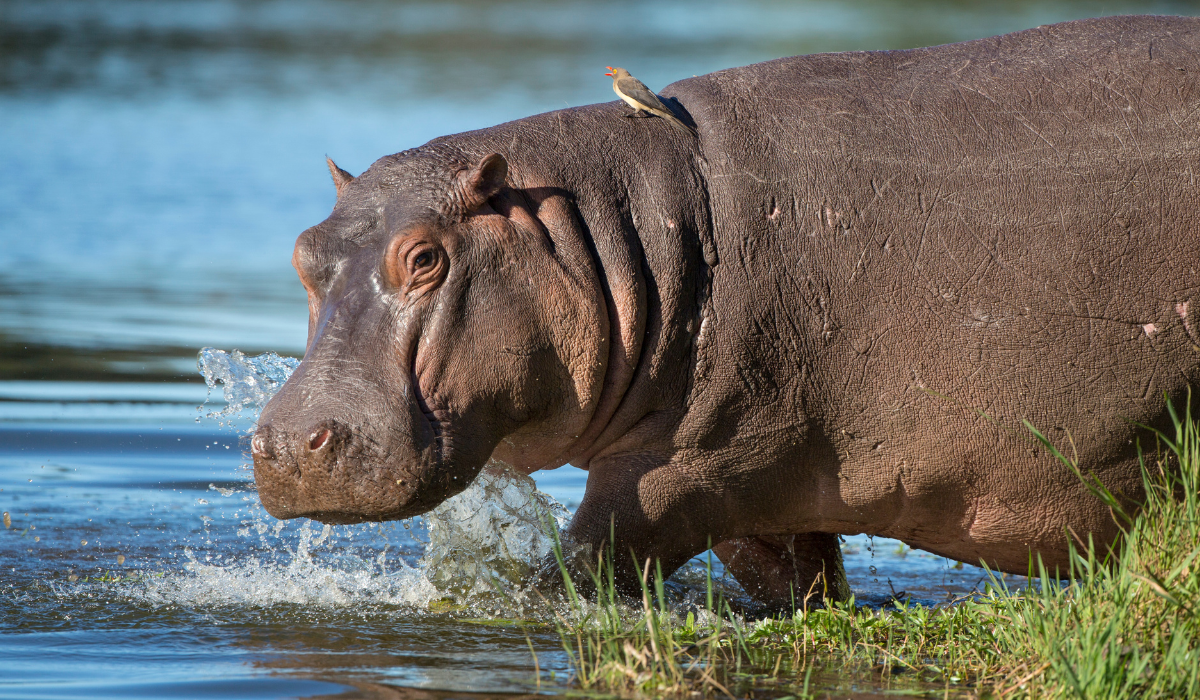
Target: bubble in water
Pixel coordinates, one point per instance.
(248, 382)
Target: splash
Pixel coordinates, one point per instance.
(484, 542)
(249, 382)
(299, 577)
(479, 551)
(481, 547)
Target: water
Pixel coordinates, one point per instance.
(160, 159)
(139, 563)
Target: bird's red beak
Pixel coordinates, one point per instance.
(610, 68)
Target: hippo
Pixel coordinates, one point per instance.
(830, 311)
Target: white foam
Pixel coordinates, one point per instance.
(483, 545)
(350, 581)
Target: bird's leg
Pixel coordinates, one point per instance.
(640, 113)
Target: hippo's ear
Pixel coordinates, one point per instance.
(341, 178)
(479, 183)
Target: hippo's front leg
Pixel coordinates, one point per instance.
(649, 510)
(661, 511)
(781, 571)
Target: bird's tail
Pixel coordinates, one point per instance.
(678, 124)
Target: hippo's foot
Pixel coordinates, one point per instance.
(573, 562)
(787, 572)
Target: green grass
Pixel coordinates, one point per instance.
(1127, 624)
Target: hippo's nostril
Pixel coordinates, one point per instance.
(319, 439)
(263, 444)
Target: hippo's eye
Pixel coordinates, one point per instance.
(415, 264)
(422, 259)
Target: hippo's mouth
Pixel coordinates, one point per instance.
(429, 412)
(339, 517)
(384, 505)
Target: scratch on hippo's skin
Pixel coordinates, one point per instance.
(858, 266)
(1150, 329)
(972, 518)
(1181, 308)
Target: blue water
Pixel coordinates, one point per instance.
(159, 160)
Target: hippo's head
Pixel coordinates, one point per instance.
(446, 326)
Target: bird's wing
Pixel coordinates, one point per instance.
(637, 91)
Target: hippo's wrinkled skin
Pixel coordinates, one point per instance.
(826, 314)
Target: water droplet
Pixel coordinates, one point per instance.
(82, 542)
(224, 492)
(248, 382)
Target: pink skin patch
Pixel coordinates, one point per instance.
(1181, 308)
(1150, 329)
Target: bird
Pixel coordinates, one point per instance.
(643, 100)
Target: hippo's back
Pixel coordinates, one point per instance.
(1058, 76)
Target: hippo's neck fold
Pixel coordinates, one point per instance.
(647, 231)
(638, 204)
(621, 264)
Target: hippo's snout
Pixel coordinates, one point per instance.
(312, 473)
(317, 445)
